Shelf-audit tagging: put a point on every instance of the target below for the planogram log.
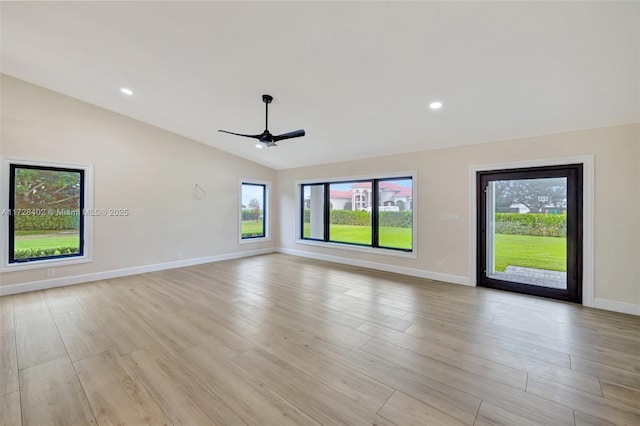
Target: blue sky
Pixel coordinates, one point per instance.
(249, 192)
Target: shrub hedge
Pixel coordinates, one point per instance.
(350, 217)
(49, 221)
(362, 218)
(31, 253)
(537, 224)
(249, 214)
(396, 219)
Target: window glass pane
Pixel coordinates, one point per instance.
(350, 214)
(395, 213)
(253, 214)
(313, 211)
(47, 213)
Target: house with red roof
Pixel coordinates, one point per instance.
(392, 197)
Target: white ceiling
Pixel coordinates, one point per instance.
(358, 77)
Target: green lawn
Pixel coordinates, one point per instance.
(251, 228)
(389, 236)
(45, 239)
(548, 253)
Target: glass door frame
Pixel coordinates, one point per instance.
(574, 175)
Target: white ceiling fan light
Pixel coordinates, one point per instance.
(126, 91)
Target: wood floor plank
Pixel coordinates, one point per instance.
(296, 304)
(590, 345)
(152, 298)
(60, 301)
(587, 420)
(8, 362)
(80, 335)
(322, 403)
(483, 336)
(90, 296)
(492, 415)
(241, 319)
(429, 345)
(370, 311)
(335, 333)
(28, 304)
(621, 394)
(212, 334)
(165, 326)
(249, 398)
(517, 401)
(124, 333)
(592, 405)
(10, 410)
(401, 409)
(37, 340)
(481, 366)
(606, 372)
(456, 402)
(52, 395)
(285, 344)
(6, 312)
(184, 400)
(115, 394)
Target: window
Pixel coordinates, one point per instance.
(46, 213)
(253, 210)
(373, 212)
(395, 221)
(351, 225)
(313, 212)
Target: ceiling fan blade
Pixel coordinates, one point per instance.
(240, 134)
(290, 135)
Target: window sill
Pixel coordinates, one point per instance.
(254, 240)
(48, 263)
(362, 249)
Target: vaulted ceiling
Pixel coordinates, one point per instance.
(358, 77)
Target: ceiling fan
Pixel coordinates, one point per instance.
(266, 138)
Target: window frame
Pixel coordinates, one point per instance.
(266, 215)
(86, 227)
(374, 179)
(302, 209)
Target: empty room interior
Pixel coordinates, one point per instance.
(320, 213)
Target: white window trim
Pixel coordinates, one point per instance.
(5, 266)
(413, 254)
(266, 208)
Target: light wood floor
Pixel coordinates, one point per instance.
(279, 340)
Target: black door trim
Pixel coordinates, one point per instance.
(574, 175)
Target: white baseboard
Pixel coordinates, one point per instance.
(454, 279)
(105, 275)
(612, 305)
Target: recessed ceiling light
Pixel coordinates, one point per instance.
(126, 91)
(259, 146)
(435, 105)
